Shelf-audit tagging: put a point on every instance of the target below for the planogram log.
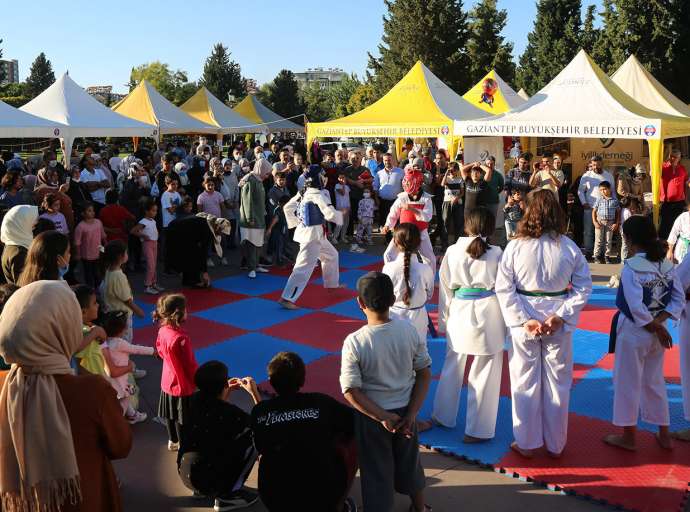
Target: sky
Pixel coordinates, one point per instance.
(99, 43)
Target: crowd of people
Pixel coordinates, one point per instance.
(95, 222)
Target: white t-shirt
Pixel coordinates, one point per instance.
(85, 177)
(342, 201)
(169, 199)
(150, 230)
(114, 163)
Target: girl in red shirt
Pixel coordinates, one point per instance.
(179, 365)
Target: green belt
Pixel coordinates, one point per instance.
(542, 294)
(472, 293)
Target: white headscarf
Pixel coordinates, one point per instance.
(18, 224)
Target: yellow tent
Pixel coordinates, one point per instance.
(419, 105)
(208, 109)
(251, 108)
(493, 94)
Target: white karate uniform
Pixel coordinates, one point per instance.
(683, 276)
(313, 244)
(680, 236)
(638, 372)
(421, 290)
(541, 370)
(473, 327)
(426, 213)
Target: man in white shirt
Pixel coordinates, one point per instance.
(96, 182)
(387, 186)
(588, 192)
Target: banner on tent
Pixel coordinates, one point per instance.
(575, 129)
(380, 131)
(616, 153)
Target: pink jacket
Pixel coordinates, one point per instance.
(179, 364)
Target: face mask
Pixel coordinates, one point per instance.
(63, 269)
(52, 163)
(142, 181)
(367, 195)
(202, 163)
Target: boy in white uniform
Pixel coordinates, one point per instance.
(543, 283)
(470, 315)
(683, 276)
(307, 212)
(649, 294)
(415, 206)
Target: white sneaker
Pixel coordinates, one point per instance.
(159, 288)
(150, 290)
(354, 247)
(209, 263)
(138, 373)
(173, 447)
(224, 261)
(262, 270)
(252, 275)
(138, 417)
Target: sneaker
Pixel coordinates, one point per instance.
(262, 270)
(235, 501)
(224, 261)
(252, 275)
(350, 505)
(354, 247)
(138, 373)
(360, 250)
(600, 260)
(173, 447)
(137, 417)
(159, 288)
(150, 290)
(344, 240)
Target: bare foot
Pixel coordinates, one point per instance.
(682, 435)
(287, 304)
(467, 439)
(528, 454)
(619, 442)
(424, 425)
(664, 441)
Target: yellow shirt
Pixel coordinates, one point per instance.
(116, 291)
(91, 358)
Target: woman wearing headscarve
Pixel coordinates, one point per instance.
(253, 214)
(58, 431)
(47, 182)
(16, 233)
(189, 240)
(77, 192)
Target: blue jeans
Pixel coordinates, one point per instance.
(588, 224)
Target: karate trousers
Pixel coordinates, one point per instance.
(418, 317)
(685, 360)
(425, 248)
(483, 390)
(307, 257)
(541, 375)
(638, 377)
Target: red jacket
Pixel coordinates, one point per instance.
(179, 365)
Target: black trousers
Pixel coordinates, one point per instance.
(440, 229)
(384, 210)
(668, 213)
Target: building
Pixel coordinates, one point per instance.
(324, 78)
(11, 68)
(104, 94)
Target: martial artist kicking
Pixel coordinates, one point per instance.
(543, 283)
(414, 206)
(469, 313)
(649, 294)
(308, 211)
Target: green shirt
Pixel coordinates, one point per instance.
(495, 187)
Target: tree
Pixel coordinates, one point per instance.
(486, 47)
(15, 94)
(339, 96)
(2, 68)
(173, 85)
(41, 75)
(589, 34)
(221, 75)
(362, 97)
(552, 44)
(283, 95)
(433, 31)
(316, 101)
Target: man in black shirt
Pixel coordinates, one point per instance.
(306, 442)
(353, 176)
(519, 177)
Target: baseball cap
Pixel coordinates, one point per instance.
(375, 290)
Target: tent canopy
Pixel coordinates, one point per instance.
(493, 94)
(147, 105)
(16, 123)
(251, 108)
(639, 83)
(580, 102)
(208, 109)
(419, 105)
(523, 94)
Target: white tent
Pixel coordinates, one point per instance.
(639, 83)
(67, 103)
(523, 94)
(15, 123)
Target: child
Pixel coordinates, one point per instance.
(210, 200)
(679, 237)
(277, 232)
(453, 209)
(635, 207)
(513, 212)
(51, 206)
(179, 365)
(186, 208)
(413, 279)
(307, 212)
(170, 200)
(649, 294)
(385, 375)
(470, 315)
(365, 220)
(415, 206)
(89, 238)
(147, 230)
(116, 292)
(342, 204)
(606, 214)
(115, 324)
(477, 191)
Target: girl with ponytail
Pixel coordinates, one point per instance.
(413, 278)
(471, 317)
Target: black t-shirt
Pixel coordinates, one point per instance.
(476, 194)
(353, 174)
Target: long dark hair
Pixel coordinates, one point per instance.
(639, 230)
(42, 258)
(480, 223)
(408, 238)
(544, 215)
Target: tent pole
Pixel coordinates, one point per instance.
(67, 143)
(656, 161)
